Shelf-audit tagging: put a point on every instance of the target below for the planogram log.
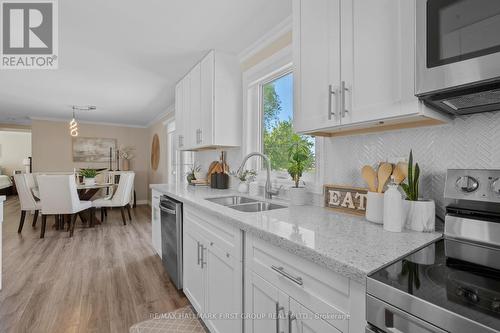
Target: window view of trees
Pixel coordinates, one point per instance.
(277, 122)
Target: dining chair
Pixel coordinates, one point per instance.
(59, 196)
(26, 199)
(121, 197)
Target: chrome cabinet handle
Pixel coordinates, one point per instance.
(203, 262)
(291, 318)
(330, 93)
(278, 310)
(201, 136)
(281, 270)
(343, 89)
(199, 258)
(181, 140)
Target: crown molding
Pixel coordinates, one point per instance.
(102, 123)
(279, 30)
(170, 110)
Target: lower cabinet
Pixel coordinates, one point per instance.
(213, 273)
(156, 222)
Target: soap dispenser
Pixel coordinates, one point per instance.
(393, 208)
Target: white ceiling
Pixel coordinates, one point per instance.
(125, 56)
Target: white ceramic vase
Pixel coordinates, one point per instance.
(420, 215)
(298, 196)
(243, 187)
(375, 207)
(89, 181)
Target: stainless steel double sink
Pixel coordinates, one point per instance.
(244, 204)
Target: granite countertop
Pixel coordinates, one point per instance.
(346, 244)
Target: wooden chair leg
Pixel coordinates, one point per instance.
(35, 218)
(102, 214)
(128, 210)
(73, 222)
(92, 217)
(122, 210)
(105, 212)
(44, 223)
(21, 221)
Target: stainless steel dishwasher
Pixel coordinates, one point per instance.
(171, 238)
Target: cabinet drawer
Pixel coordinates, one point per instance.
(323, 291)
(218, 234)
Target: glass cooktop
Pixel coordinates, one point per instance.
(439, 275)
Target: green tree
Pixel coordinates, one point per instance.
(272, 106)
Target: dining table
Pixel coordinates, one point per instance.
(85, 193)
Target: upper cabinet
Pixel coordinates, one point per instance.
(208, 104)
(354, 67)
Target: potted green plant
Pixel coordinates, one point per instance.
(245, 177)
(300, 159)
(420, 213)
(191, 174)
(88, 176)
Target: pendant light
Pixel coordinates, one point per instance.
(73, 125)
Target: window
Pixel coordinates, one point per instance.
(277, 118)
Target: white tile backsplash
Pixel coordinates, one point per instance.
(467, 142)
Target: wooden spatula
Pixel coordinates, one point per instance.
(370, 177)
(384, 173)
(400, 172)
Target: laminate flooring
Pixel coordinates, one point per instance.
(104, 279)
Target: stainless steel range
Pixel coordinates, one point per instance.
(453, 284)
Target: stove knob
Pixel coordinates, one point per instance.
(467, 184)
(495, 186)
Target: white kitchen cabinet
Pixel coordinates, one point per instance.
(156, 221)
(303, 320)
(354, 67)
(179, 115)
(212, 103)
(194, 275)
(213, 270)
(268, 305)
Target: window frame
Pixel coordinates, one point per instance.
(271, 69)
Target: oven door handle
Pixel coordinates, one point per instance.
(386, 317)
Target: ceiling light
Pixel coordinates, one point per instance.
(73, 124)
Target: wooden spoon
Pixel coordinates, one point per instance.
(384, 173)
(400, 172)
(370, 177)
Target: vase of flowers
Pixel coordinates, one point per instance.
(126, 154)
(88, 176)
(420, 213)
(245, 177)
(191, 174)
(299, 160)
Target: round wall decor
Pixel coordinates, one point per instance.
(155, 152)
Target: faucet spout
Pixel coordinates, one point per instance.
(267, 162)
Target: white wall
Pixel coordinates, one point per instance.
(14, 147)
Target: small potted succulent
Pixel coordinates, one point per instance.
(245, 177)
(191, 174)
(88, 176)
(299, 160)
(420, 213)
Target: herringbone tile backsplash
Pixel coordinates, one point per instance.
(467, 142)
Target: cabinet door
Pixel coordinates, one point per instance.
(316, 56)
(156, 222)
(195, 105)
(223, 292)
(193, 283)
(267, 305)
(179, 114)
(302, 320)
(186, 113)
(378, 80)
(207, 99)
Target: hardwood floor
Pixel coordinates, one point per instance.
(103, 279)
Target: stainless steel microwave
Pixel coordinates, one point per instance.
(458, 55)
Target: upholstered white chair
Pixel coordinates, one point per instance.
(59, 196)
(26, 199)
(121, 197)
